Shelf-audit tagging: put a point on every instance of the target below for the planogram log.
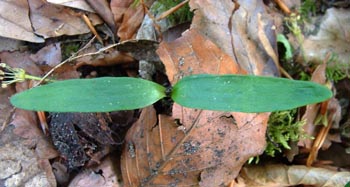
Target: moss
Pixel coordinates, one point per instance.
(68, 49)
(282, 128)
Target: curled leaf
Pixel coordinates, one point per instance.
(90, 95)
(245, 93)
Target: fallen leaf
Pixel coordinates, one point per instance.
(50, 20)
(78, 4)
(282, 175)
(104, 11)
(128, 17)
(237, 32)
(193, 53)
(333, 36)
(312, 110)
(8, 44)
(103, 175)
(119, 7)
(218, 143)
(49, 55)
(15, 22)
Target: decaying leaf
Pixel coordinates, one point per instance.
(211, 147)
(49, 55)
(239, 33)
(50, 20)
(218, 144)
(15, 22)
(193, 53)
(105, 177)
(333, 36)
(78, 4)
(282, 175)
(312, 110)
(103, 10)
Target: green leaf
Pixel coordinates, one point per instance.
(90, 95)
(246, 93)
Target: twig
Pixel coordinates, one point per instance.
(65, 61)
(283, 6)
(172, 10)
(92, 28)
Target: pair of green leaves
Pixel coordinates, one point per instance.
(240, 93)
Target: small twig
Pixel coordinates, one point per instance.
(72, 57)
(172, 10)
(92, 28)
(283, 6)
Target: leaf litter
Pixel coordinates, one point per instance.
(189, 147)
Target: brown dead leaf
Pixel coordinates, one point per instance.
(29, 148)
(25, 122)
(128, 18)
(50, 20)
(150, 150)
(239, 33)
(8, 44)
(132, 20)
(104, 11)
(49, 55)
(312, 110)
(282, 175)
(119, 7)
(106, 177)
(193, 53)
(333, 36)
(107, 58)
(213, 147)
(15, 22)
(78, 4)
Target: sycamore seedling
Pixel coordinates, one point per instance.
(240, 93)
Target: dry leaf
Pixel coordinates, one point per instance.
(78, 4)
(312, 110)
(282, 175)
(218, 144)
(238, 33)
(49, 55)
(104, 11)
(119, 7)
(132, 20)
(15, 22)
(103, 175)
(152, 154)
(333, 36)
(50, 20)
(193, 53)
